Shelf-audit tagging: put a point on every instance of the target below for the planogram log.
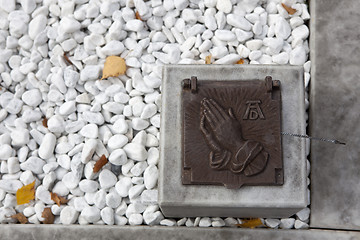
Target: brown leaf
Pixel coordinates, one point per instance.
(44, 122)
(58, 199)
(290, 10)
(68, 61)
(20, 217)
(25, 194)
(250, 223)
(208, 59)
(100, 163)
(137, 16)
(48, 215)
(241, 61)
(113, 67)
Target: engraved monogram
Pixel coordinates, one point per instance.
(253, 110)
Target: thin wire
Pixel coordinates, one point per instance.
(313, 138)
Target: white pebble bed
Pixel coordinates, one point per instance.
(119, 116)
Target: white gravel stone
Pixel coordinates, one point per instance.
(91, 72)
(19, 137)
(67, 108)
(217, 222)
(152, 218)
(135, 151)
(33, 164)
(70, 180)
(135, 191)
(149, 197)
(168, 222)
(88, 150)
(5, 151)
(287, 223)
(32, 97)
(91, 214)
(88, 186)
(282, 28)
(43, 195)
(56, 124)
(238, 22)
(100, 199)
(304, 214)
(123, 186)
(107, 179)
(118, 157)
(272, 223)
(113, 48)
(224, 6)
(135, 219)
(298, 56)
(150, 176)
(120, 126)
(68, 215)
(117, 141)
(113, 199)
(69, 25)
(134, 25)
(10, 185)
(301, 225)
(37, 25)
(90, 131)
(47, 146)
(205, 222)
(107, 215)
(48, 180)
(228, 59)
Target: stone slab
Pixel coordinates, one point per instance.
(177, 200)
(334, 113)
(96, 232)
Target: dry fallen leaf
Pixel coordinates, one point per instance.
(137, 16)
(290, 10)
(250, 223)
(100, 163)
(25, 194)
(208, 59)
(113, 67)
(48, 215)
(58, 199)
(44, 122)
(20, 217)
(241, 61)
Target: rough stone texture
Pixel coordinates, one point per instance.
(95, 232)
(334, 113)
(178, 200)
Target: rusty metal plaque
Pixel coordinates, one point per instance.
(232, 132)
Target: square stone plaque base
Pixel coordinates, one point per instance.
(178, 200)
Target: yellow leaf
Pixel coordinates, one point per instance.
(290, 10)
(241, 61)
(113, 67)
(25, 194)
(208, 59)
(250, 223)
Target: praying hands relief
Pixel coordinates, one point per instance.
(229, 150)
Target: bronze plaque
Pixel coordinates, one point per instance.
(232, 132)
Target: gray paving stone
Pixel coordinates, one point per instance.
(95, 232)
(335, 112)
(178, 200)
